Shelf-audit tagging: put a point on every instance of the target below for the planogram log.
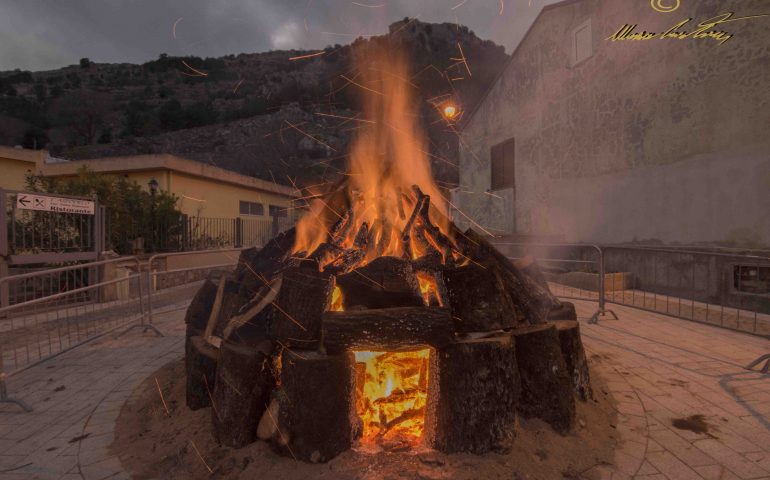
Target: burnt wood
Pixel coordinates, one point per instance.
(295, 315)
(198, 312)
(473, 390)
(546, 386)
(575, 358)
(479, 300)
(316, 405)
(241, 392)
(385, 282)
(201, 367)
(266, 264)
(388, 329)
(532, 301)
(565, 311)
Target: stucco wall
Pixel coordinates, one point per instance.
(662, 139)
(15, 164)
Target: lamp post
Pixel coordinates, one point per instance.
(153, 186)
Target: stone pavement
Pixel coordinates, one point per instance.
(687, 408)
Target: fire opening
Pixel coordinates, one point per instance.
(391, 395)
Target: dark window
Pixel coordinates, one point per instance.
(751, 279)
(503, 165)
(251, 208)
(278, 211)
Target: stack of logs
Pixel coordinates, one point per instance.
(272, 361)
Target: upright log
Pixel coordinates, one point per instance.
(384, 282)
(575, 357)
(315, 406)
(388, 329)
(546, 386)
(200, 308)
(201, 367)
(295, 318)
(478, 299)
(241, 393)
(473, 390)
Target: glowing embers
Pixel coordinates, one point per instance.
(391, 394)
(429, 289)
(337, 300)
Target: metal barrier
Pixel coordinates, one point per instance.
(46, 322)
(153, 274)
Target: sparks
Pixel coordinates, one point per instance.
(308, 56)
(173, 27)
(198, 73)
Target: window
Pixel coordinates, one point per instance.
(503, 165)
(251, 208)
(751, 279)
(582, 43)
(278, 211)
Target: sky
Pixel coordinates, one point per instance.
(49, 34)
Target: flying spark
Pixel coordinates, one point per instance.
(307, 56)
(173, 27)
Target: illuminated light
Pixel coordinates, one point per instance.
(450, 112)
(392, 392)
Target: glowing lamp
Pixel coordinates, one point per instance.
(450, 112)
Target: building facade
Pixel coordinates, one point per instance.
(202, 190)
(592, 135)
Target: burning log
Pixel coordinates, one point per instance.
(479, 300)
(531, 300)
(565, 311)
(472, 396)
(201, 367)
(385, 282)
(546, 386)
(295, 318)
(575, 358)
(314, 406)
(389, 329)
(241, 392)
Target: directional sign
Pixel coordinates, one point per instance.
(45, 203)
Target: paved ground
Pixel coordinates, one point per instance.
(662, 370)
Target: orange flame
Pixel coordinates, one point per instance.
(387, 157)
(428, 288)
(337, 301)
(392, 394)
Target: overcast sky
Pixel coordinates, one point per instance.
(47, 34)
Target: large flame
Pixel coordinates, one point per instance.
(392, 394)
(387, 157)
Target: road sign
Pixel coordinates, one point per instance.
(45, 203)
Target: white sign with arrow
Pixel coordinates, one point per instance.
(45, 203)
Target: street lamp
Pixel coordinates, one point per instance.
(153, 184)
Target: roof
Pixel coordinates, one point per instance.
(483, 99)
(23, 154)
(139, 163)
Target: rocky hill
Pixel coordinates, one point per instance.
(270, 114)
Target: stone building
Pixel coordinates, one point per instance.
(590, 135)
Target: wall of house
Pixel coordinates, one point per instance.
(662, 139)
(209, 198)
(15, 164)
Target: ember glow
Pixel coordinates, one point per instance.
(450, 112)
(392, 394)
(387, 158)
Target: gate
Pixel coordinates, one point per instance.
(39, 229)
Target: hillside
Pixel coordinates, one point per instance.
(269, 114)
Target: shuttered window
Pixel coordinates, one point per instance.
(503, 165)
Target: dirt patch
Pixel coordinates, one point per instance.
(179, 445)
(693, 423)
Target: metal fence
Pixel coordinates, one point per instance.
(51, 317)
(188, 233)
(725, 289)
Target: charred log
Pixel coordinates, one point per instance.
(575, 358)
(266, 264)
(241, 393)
(565, 311)
(315, 406)
(385, 282)
(472, 396)
(198, 312)
(295, 315)
(479, 300)
(201, 367)
(391, 329)
(546, 386)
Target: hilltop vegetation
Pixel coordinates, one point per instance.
(261, 114)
